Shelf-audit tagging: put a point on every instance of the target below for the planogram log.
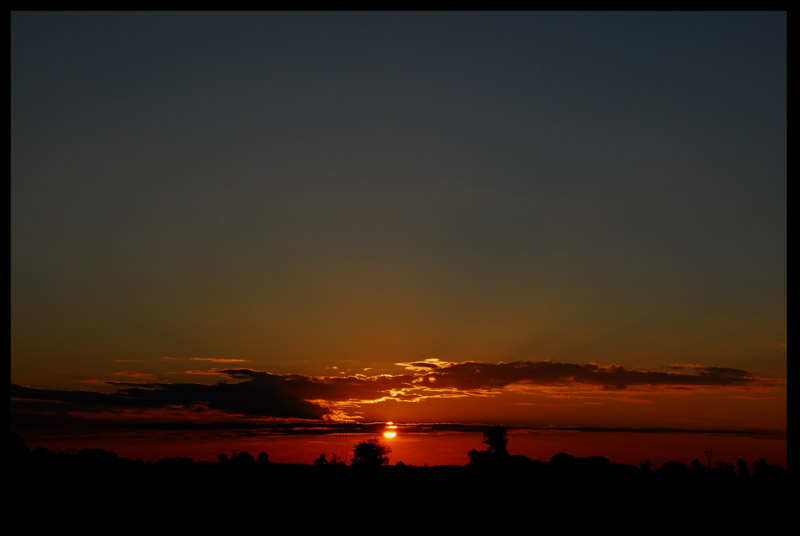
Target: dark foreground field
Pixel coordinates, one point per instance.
(49, 487)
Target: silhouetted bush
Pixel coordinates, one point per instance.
(562, 458)
(369, 454)
(323, 460)
(243, 458)
(762, 469)
(724, 467)
(673, 468)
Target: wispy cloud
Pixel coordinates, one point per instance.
(212, 359)
(195, 372)
(138, 375)
(425, 365)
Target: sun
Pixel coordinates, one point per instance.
(391, 430)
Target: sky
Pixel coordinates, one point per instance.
(238, 220)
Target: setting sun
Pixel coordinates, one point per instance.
(391, 430)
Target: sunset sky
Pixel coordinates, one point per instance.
(241, 222)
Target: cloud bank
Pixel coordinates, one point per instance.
(258, 394)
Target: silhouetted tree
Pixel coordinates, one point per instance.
(698, 466)
(323, 460)
(496, 440)
(370, 453)
(263, 457)
(741, 466)
(480, 457)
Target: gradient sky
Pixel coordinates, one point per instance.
(311, 198)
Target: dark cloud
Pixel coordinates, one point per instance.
(332, 389)
(712, 371)
(74, 400)
(257, 394)
(476, 375)
(264, 396)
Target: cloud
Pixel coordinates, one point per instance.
(266, 396)
(140, 375)
(326, 388)
(195, 372)
(711, 371)
(424, 365)
(212, 359)
(477, 375)
(250, 393)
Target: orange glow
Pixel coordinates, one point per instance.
(391, 430)
(441, 448)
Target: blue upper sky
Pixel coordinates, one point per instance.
(302, 189)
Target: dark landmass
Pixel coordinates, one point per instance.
(493, 483)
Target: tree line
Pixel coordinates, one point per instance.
(373, 454)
